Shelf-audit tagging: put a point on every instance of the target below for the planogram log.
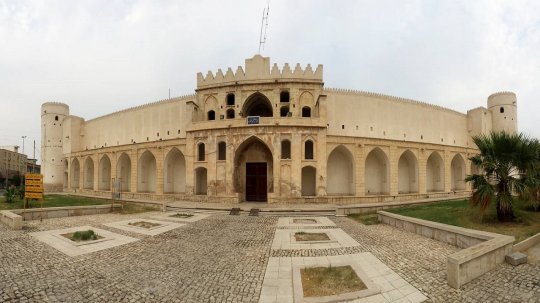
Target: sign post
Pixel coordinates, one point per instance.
(33, 189)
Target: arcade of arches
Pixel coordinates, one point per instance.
(256, 170)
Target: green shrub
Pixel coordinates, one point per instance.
(84, 235)
(10, 194)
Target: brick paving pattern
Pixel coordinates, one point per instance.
(223, 259)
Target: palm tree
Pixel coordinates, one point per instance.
(505, 161)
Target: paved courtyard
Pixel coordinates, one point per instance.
(223, 258)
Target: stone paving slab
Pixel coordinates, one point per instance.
(284, 239)
(279, 285)
(289, 222)
(168, 216)
(163, 227)
(55, 239)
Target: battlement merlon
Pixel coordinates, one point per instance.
(257, 69)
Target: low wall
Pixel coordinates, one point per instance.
(482, 251)
(12, 220)
(527, 243)
(272, 198)
(60, 212)
(342, 211)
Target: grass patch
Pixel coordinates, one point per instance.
(54, 201)
(144, 224)
(303, 236)
(366, 218)
(182, 216)
(135, 208)
(86, 235)
(460, 213)
(329, 281)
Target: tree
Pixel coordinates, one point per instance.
(505, 161)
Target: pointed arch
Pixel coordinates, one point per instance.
(407, 173)
(309, 181)
(457, 173)
(435, 173)
(252, 150)
(340, 172)
(123, 172)
(174, 171)
(146, 173)
(88, 176)
(258, 105)
(75, 172)
(377, 171)
(104, 173)
(307, 103)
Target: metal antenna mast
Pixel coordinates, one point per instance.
(264, 26)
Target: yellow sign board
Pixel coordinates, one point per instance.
(28, 195)
(33, 177)
(33, 186)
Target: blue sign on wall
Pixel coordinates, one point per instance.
(253, 119)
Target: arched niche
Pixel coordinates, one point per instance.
(340, 172)
(407, 173)
(123, 173)
(146, 173)
(88, 175)
(104, 173)
(174, 172)
(75, 173)
(457, 173)
(309, 181)
(435, 173)
(257, 105)
(377, 171)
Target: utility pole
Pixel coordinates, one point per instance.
(23, 137)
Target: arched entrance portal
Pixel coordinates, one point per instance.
(257, 105)
(253, 170)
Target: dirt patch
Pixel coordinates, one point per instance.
(329, 281)
(303, 236)
(144, 224)
(183, 216)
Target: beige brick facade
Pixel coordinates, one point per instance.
(310, 144)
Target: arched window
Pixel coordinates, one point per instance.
(211, 115)
(284, 111)
(56, 117)
(200, 150)
(501, 110)
(222, 151)
(230, 99)
(306, 111)
(230, 113)
(308, 150)
(284, 96)
(285, 149)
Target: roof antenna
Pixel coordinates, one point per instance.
(264, 26)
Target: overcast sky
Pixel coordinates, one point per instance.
(104, 56)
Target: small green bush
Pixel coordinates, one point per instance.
(11, 194)
(84, 235)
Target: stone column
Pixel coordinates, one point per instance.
(360, 170)
(159, 170)
(393, 178)
(134, 156)
(447, 170)
(81, 172)
(422, 174)
(191, 157)
(114, 162)
(96, 158)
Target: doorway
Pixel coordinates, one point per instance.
(256, 182)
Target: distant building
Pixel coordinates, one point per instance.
(12, 163)
(268, 134)
(32, 167)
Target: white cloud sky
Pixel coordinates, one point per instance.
(103, 56)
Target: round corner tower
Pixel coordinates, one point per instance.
(52, 117)
(503, 109)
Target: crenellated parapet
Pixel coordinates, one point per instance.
(258, 69)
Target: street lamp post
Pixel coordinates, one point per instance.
(23, 137)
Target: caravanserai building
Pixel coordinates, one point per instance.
(262, 133)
